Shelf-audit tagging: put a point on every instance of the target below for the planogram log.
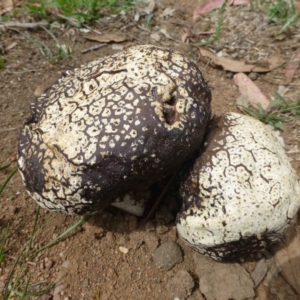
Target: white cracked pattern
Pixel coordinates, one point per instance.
(116, 124)
(241, 193)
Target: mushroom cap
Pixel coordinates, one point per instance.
(241, 193)
(115, 125)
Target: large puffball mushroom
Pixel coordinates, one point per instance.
(240, 194)
(113, 127)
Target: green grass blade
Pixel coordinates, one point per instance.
(7, 290)
(4, 167)
(59, 237)
(7, 180)
(3, 244)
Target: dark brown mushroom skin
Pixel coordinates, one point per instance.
(115, 125)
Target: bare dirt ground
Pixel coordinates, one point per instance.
(111, 256)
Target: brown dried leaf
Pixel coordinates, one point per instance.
(240, 66)
(288, 258)
(107, 37)
(291, 68)
(259, 273)
(184, 37)
(149, 9)
(250, 91)
(8, 5)
(5, 6)
(213, 4)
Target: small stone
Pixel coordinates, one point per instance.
(160, 229)
(167, 255)
(229, 75)
(123, 249)
(122, 240)
(110, 239)
(221, 280)
(149, 226)
(152, 241)
(49, 264)
(155, 36)
(181, 285)
(252, 76)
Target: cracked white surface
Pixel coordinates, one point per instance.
(241, 188)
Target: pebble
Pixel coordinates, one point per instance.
(229, 75)
(149, 226)
(160, 229)
(123, 249)
(151, 241)
(155, 36)
(122, 240)
(110, 239)
(181, 285)
(49, 264)
(167, 255)
(253, 76)
(219, 280)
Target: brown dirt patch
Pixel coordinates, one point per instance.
(91, 263)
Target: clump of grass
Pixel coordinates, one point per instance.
(83, 11)
(9, 177)
(3, 242)
(219, 24)
(2, 62)
(38, 9)
(19, 282)
(61, 52)
(283, 13)
(279, 111)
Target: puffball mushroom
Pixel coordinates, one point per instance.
(241, 193)
(112, 127)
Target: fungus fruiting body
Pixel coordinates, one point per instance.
(115, 125)
(241, 193)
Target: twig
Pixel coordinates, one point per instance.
(161, 196)
(143, 28)
(15, 258)
(72, 21)
(168, 36)
(93, 48)
(9, 129)
(38, 284)
(12, 25)
(135, 38)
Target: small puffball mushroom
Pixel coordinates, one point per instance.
(240, 194)
(111, 127)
